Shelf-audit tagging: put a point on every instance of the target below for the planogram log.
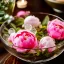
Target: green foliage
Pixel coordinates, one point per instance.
(3, 5)
(19, 21)
(45, 21)
(5, 10)
(12, 25)
(41, 32)
(2, 13)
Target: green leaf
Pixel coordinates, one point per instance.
(47, 54)
(5, 17)
(1, 23)
(2, 13)
(5, 28)
(19, 21)
(45, 21)
(0, 18)
(11, 7)
(13, 26)
(38, 52)
(17, 29)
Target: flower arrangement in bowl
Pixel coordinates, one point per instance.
(35, 37)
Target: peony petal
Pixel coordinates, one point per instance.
(51, 49)
(55, 29)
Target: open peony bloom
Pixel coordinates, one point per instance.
(23, 40)
(55, 29)
(47, 43)
(32, 20)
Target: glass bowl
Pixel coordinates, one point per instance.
(56, 5)
(32, 58)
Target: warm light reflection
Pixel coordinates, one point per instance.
(22, 4)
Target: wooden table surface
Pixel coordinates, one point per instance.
(38, 6)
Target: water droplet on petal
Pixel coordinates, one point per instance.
(11, 30)
(28, 27)
(5, 36)
(34, 30)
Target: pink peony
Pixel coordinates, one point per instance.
(24, 40)
(55, 29)
(47, 42)
(22, 13)
(11, 37)
(32, 20)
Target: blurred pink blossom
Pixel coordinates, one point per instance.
(22, 13)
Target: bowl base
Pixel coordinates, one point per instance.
(10, 59)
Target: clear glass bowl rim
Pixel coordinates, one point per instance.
(29, 60)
